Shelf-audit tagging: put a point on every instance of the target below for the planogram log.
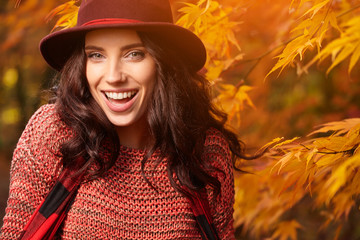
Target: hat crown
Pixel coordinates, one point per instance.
(153, 16)
(138, 10)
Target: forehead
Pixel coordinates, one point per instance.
(112, 35)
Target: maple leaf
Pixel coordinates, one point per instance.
(339, 127)
(308, 33)
(233, 100)
(346, 45)
(287, 230)
(191, 13)
(210, 21)
(317, 7)
(272, 143)
(328, 168)
(340, 176)
(295, 48)
(285, 142)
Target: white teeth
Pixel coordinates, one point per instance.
(119, 96)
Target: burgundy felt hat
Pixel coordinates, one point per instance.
(140, 15)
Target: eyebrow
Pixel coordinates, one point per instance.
(123, 48)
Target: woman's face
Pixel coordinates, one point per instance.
(121, 74)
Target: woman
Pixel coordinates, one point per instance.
(131, 104)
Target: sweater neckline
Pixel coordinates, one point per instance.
(131, 150)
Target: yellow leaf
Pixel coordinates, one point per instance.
(332, 144)
(233, 100)
(339, 176)
(286, 230)
(283, 161)
(357, 150)
(344, 46)
(309, 158)
(214, 70)
(242, 97)
(274, 141)
(338, 126)
(333, 21)
(294, 48)
(316, 8)
(285, 142)
(68, 15)
(191, 13)
(345, 52)
(326, 160)
(355, 57)
(343, 202)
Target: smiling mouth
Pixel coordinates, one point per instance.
(120, 97)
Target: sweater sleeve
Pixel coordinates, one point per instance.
(217, 152)
(34, 166)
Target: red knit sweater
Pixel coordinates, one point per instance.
(119, 205)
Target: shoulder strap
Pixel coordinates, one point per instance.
(201, 209)
(49, 215)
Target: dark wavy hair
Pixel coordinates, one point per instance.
(179, 114)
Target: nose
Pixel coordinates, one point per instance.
(115, 72)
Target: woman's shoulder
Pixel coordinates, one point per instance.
(45, 128)
(215, 139)
(44, 115)
(216, 150)
(47, 118)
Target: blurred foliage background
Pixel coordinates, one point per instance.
(22, 75)
(286, 104)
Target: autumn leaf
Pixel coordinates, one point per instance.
(285, 142)
(308, 34)
(272, 143)
(340, 127)
(340, 176)
(210, 21)
(192, 12)
(233, 100)
(68, 15)
(345, 46)
(317, 7)
(286, 230)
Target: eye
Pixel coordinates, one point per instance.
(95, 56)
(135, 55)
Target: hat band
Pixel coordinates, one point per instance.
(110, 21)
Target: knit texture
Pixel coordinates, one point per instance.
(120, 204)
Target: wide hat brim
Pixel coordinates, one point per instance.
(57, 47)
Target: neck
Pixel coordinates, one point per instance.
(135, 136)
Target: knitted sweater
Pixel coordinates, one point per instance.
(120, 204)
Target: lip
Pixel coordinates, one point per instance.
(120, 107)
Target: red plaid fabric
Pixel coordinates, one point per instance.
(201, 209)
(49, 215)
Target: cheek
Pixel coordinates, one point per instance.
(91, 77)
(149, 76)
(150, 83)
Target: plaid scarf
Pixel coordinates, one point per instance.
(49, 215)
